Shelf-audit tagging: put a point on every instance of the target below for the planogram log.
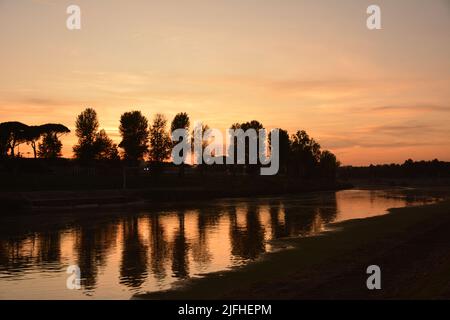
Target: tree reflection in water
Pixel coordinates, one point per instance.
(151, 249)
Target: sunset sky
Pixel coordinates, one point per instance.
(369, 96)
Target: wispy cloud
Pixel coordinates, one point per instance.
(413, 108)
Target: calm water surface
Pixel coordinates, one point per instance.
(124, 253)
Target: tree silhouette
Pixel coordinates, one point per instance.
(14, 133)
(134, 131)
(11, 135)
(328, 164)
(204, 143)
(92, 144)
(33, 135)
(255, 125)
(4, 141)
(305, 153)
(50, 147)
(55, 128)
(408, 170)
(160, 142)
(105, 148)
(232, 148)
(284, 148)
(205, 128)
(86, 131)
(181, 121)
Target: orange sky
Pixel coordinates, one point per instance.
(368, 96)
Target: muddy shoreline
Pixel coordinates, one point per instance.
(411, 245)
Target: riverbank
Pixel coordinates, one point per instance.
(165, 190)
(411, 245)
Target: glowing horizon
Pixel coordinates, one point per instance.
(368, 96)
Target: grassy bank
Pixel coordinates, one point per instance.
(411, 245)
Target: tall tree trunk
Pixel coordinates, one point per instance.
(11, 147)
(33, 145)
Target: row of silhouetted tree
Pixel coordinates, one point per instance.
(408, 169)
(140, 140)
(300, 155)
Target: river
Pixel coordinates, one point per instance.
(121, 253)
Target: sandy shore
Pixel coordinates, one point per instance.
(411, 245)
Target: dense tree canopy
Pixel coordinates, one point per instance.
(134, 131)
(181, 121)
(305, 152)
(105, 148)
(92, 144)
(160, 142)
(86, 130)
(50, 147)
(284, 149)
